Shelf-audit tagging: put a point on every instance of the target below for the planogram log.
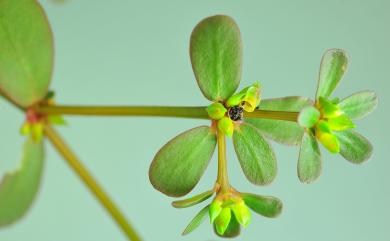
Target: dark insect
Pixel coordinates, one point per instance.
(236, 113)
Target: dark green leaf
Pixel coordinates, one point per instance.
(193, 200)
(233, 229)
(197, 220)
(333, 65)
(179, 164)
(359, 104)
(19, 188)
(308, 117)
(255, 155)
(309, 162)
(216, 56)
(353, 146)
(26, 59)
(266, 206)
(285, 132)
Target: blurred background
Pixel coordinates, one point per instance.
(136, 52)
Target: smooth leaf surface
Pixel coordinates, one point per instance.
(309, 162)
(354, 147)
(193, 200)
(256, 156)
(26, 59)
(179, 164)
(333, 66)
(233, 229)
(197, 220)
(284, 132)
(359, 104)
(19, 188)
(216, 56)
(308, 117)
(266, 206)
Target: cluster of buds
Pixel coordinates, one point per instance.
(233, 109)
(323, 119)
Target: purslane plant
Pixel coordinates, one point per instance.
(26, 63)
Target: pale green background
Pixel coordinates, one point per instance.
(136, 52)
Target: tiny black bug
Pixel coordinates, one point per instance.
(236, 113)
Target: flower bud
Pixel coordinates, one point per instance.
(242, 213)
(252, 98)
(226, 126)
(326, 137)
(328, 109)
(216, 111)
(341, 123)
(214, 210)
(223, 220)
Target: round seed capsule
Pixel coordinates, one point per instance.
(236, 113)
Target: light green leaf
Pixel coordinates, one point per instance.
(19, 188)
(353, 146)
(179, 164)
(359, 104)
(197, 220)
(285, 132)
(26, 59)
(216, 56)
(256, 156)
(308, 117)
(232, 230)
(266, 206)
(309, 162)
(333, 65)
(193, 200)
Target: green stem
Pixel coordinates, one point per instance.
(94, 187)
(222, 178)
(275, 115)
(198, 112)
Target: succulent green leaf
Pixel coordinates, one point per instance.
(26, 59)
(266, 206)
(19, 188)
(333, 65)
(232, 230)
(216, 56)
(256, 156)
(285, 132)
(308, 117)
(179, 164)
(193, 200)
(309, 162)
(354, 147)
(196, 221)
(359, 104)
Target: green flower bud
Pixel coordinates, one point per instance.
(341, 123)
(216, 111)
(328, 109)
(223, 220)
(226, 126)
(214, 210)
(236, 99)
(252, 98)
(242, 213)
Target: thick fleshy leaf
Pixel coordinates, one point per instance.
(354, 147)
(359, 104)
(266, 206)
(179, 164)
(26, 59)
(216, 56)
(193, 200)
(256, 156)
(309, 162)
(197, 220)
(308, 117)
(233, 229)
(19, 188)
(333, 65)
(285, 132)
